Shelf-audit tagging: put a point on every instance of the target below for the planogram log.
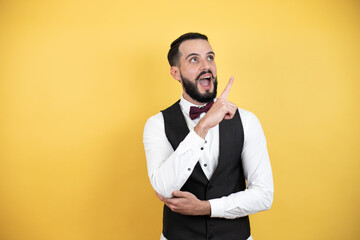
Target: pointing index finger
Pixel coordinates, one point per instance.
(226, 91)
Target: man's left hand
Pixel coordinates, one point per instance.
(186, 203)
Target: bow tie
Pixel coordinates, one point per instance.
(196, 111)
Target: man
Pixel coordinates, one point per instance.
(209, 165)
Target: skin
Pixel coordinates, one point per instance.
(197, 56)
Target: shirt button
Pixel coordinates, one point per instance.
(202, 148)
(189, 169)
(205, 165)
(205, 141)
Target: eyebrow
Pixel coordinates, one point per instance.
(196, 54)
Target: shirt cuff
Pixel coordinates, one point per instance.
(194, 140)
(217, 208)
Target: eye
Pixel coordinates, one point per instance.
(210, 58)
(193, 59)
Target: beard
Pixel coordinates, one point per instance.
(192, 90)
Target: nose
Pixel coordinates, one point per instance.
(205, 65)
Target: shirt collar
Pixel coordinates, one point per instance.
(185, 105)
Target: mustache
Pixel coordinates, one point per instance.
(203, 72)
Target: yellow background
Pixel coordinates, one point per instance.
(78, 80)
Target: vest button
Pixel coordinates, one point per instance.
(210, 187)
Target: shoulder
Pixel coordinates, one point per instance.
(250, 122)
(247, 116)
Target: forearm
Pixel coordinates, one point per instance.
(242, 203)
(256, 198)
(168, 170)
(172, 172)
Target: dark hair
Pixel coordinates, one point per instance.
(173, 54)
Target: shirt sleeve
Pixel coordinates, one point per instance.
(257, 171)
(168, 170)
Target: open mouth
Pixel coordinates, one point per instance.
(205, 80)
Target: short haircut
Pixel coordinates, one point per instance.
(173, 54)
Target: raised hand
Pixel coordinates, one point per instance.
(222, 109)
(226, 91)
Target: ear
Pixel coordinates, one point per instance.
(175, 73)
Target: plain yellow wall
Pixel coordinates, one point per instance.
(78, 80)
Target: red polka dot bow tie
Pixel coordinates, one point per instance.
(196, 111)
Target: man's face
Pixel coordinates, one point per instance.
(197, 71)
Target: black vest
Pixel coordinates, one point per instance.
(228, 178)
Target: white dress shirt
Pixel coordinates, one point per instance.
(168, 170)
